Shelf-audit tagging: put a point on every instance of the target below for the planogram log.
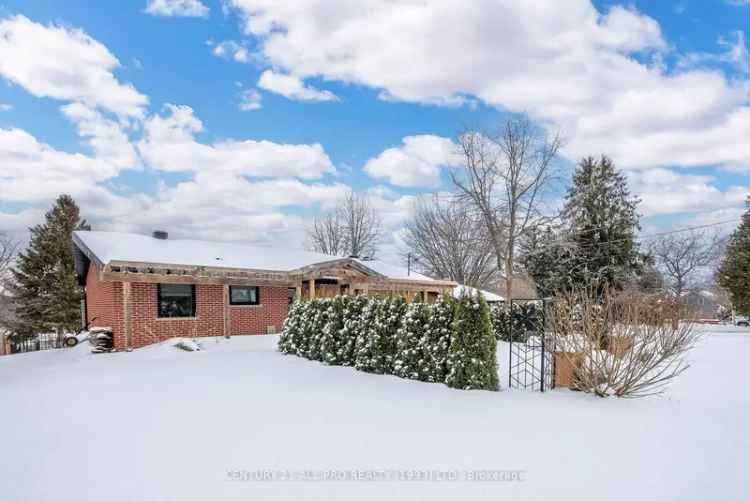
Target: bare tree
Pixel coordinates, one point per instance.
(8, 252)
(326, 234)
(353, 228)
(448, 242)
(504, 180)
(682, 256)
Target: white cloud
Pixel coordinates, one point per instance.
(230, 49)
(168, 144)
(106, 137)
(34, 171)
(565, 63)
(416, 162)
(293, 87)
(64, 63)
(5, 107)
(664, 191)
(250, 99)
(182, 8)
(735, 54)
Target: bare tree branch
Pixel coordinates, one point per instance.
(353, 228)
(681, 258)
(447, 241)
(504, 179)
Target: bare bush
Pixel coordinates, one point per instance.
(623, 345)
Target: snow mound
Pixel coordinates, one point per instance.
(185, 344)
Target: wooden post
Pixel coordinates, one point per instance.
(227, 320)
(298, 291)
(312, 288)
(126, 316)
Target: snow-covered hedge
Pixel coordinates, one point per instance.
(526, 319)
(388, 336)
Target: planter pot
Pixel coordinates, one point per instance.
(619, 345)
(566, 366)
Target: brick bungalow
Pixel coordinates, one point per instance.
(150, 288)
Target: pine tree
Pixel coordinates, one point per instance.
(472, 357)
(549, 262)
(734, 272)
(603, 219)
(596, 244)
(44, 284)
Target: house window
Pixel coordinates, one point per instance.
(291, 294)
(243, 295)
(176, 300)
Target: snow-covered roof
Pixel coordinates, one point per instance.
(109, 247)
(488, 296)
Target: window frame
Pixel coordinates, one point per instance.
(193, 302)
(235, 303)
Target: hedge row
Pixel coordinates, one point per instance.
(450, 341)
(525, 319)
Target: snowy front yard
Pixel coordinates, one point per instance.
(162, 424)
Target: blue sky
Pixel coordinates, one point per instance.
(135, 107)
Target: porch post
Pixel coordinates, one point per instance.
(312, 288)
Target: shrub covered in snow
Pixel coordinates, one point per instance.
(411, 344)
(526, 319)
(389, 336)
(472, 360)
(377, 351)
(437, 338)
(630, 345)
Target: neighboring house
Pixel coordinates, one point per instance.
(488, 296)
(702, 303)
(148, 289)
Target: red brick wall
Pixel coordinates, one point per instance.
(104, 300)
(101, 300)
(272, 310)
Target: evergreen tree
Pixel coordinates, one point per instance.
(548, 262)
(314, 329)
(734, 272)
(377, 350)
(411, 360)
(354, 323)
(603, 219)
(437, 338)
(472, 357)
(596, 244)
(44, 284)
(333, 343)
(293, 339)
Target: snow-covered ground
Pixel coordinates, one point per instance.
(167, 424)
